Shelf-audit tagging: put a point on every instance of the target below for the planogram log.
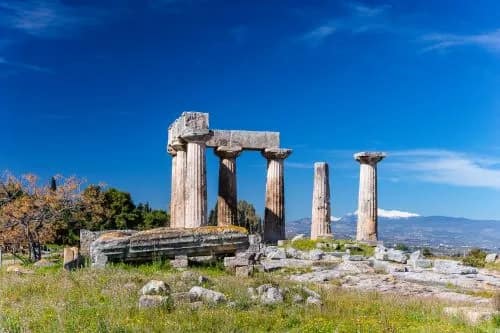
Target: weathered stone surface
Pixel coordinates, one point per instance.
(491, 257)
(273, 252)
(321, 209)
(227, 201)
(243, 271)
(152, 301)
(274, 215)
(313, 301)
(18, 270)
(178, 150)
(248, 140)
(43, 263)
(155, 287)
(272, 265)
(452, 267)
(397, 256)
(367, 200)
(207, 295)
(179, 263)
(271, 295)
(316, 254)
(353, 257)
(182, 297)
(147, 245)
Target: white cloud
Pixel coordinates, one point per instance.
(392, 214)
(23, 66)
(335, 219)
(46, 18)
(395, 214)
(359, 19)
(488, 40)
(447, 167)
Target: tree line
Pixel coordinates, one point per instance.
(35, 213)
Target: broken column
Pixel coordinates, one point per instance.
(367, 200)
(196, 181)
(227, 201)
(321, 210)
(274, 216)
(177, 206)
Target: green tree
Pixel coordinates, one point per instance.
(247, 217)
(53, 184)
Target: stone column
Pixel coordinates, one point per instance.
(274, 216)
(227, 200)
(321, 209)
(173, 183)
(196, 181)
(179, 185)
(367, 200)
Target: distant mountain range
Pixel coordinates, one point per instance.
(443, 234)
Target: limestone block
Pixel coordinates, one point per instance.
(207, 295)
(152, 301)
(397, 256)
(452, 267)
(248, 140)
(491, 257)
(155, 287)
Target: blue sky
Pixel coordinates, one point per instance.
(89, 89)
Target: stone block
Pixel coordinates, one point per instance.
(179, 263)
(397, 256)
(491, 257)
(249, 140)
(152, 301)
(452, 267)
(243, 271)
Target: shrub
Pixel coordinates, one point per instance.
(401, 247)
(426, 252)
(475, 258)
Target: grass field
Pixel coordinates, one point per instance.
(51, 300)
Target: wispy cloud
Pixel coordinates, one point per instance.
(447, 167)
(22, 66)
(46, 18)
(437, 41)
(359, 18)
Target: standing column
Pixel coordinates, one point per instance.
(227, 200)
(173, 190)
(274, 216)
(196, 181)
(178, 210)
(367, 200)
(321, 209)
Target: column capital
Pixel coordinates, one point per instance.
(371, 158)
(228, 152)
(197, 136)
(178, 145)
(276, 153)
(171, 150)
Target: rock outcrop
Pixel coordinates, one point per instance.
(146, 246)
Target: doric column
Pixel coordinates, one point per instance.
(274, 216)
(178, 210)
(321, 209)
(173, 183)
(227, 200)
(367, 200)
(196, 181)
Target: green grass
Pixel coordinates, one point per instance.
(307, 244)
(88, 300)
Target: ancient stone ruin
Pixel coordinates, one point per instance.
(367, 202)
(321, 209)
(188, 138)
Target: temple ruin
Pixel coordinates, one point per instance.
(188, 138)
(367, 200)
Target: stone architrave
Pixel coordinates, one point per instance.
(177, 208)
(227, 201)
(274, 216)
(196, 179)
(321, 209)
(367, 200)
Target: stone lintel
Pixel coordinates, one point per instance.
(247, 140)
(276, 153)
(369, 157)
(197, 135)
(228, 152)
(187, 124)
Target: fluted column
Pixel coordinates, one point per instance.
(227, 200)
(321, 209)
(367, 200)
(196, 181)
(178, 210)
(173, 183)
(274, 216)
